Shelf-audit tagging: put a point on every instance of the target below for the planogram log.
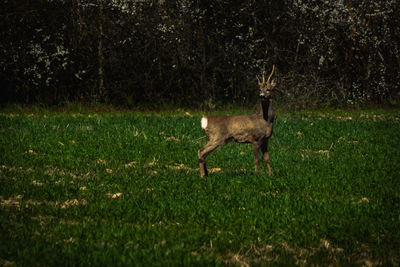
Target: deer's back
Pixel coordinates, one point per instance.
(242, 129)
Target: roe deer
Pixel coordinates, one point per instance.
(254, 128)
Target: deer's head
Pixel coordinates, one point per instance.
(266, 87)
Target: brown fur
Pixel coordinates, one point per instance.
(254, 129)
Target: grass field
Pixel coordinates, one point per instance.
(123, 188)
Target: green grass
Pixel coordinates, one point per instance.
(123, 188)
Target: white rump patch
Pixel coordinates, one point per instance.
(204, 122)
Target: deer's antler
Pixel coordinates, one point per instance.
(269, 77)
(263, 76)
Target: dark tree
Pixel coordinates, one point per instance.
(131, 52)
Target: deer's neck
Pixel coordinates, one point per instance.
(267, 110)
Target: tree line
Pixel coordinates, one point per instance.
(199, 53)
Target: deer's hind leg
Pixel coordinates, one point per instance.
(203, 153)
(264, 150)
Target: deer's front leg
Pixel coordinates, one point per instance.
(256, 148)
(264, 150)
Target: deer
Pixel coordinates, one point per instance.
(254, 128)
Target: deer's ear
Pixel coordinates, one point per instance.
(273, 83)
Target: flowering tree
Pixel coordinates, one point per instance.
(349, 49)
(131, 52)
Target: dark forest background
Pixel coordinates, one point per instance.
(199, 53)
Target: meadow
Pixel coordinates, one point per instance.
(123, 188)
